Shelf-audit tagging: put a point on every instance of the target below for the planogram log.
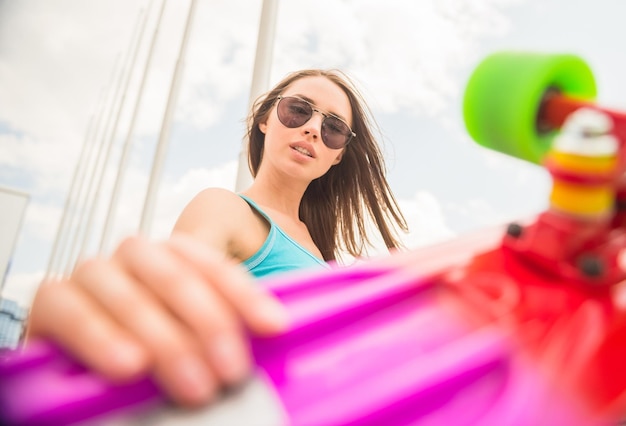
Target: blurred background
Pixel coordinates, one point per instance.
(90, 83)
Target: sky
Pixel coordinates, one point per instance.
(62, 63)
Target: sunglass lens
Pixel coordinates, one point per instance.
(335, 133)
(293, 112)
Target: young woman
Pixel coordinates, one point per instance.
(177, 308)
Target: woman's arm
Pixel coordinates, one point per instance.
(174, 308)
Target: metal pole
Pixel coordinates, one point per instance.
(78, 169)
(162, 144)
(86, 185)
(123, 164)
(107, 156)
(260, 79)
(74, 247)
(85, 199)
(66, 228)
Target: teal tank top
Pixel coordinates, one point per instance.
(279, 252)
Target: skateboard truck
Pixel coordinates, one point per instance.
(575, 238)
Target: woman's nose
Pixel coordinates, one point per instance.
(314, 125)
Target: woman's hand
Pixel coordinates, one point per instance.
(175, 309)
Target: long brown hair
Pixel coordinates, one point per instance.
(336, 205)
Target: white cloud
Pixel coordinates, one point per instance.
(50, 67)
(405, 53)
(480, 212)
(175, 195)
(526, 174)
(42, 219)
(426, 223)
(173, 198)
(52, 85)
(426, 220)
(27, 158)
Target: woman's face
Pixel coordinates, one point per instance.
(300, 151)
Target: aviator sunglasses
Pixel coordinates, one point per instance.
(294, 112)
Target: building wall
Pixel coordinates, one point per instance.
(12, 208)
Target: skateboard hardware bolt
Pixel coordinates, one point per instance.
(620, 204)
(591, 266)
(587, 132)
(515, 230)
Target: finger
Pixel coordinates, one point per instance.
(186, 294)
(63, 313)
(178, 364)
(259, 310)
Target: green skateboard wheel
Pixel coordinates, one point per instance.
(504, 93)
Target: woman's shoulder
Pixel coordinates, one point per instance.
(217, 202)
(218, 194)
(214, 214)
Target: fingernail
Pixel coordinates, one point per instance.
(193, 379)
(125, 356)
(274, 314)
(229, 358)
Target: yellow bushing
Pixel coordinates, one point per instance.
(587, 200)
(583, 163)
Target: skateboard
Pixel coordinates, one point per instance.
(521, 324)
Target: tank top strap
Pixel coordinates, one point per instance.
(256, 207)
